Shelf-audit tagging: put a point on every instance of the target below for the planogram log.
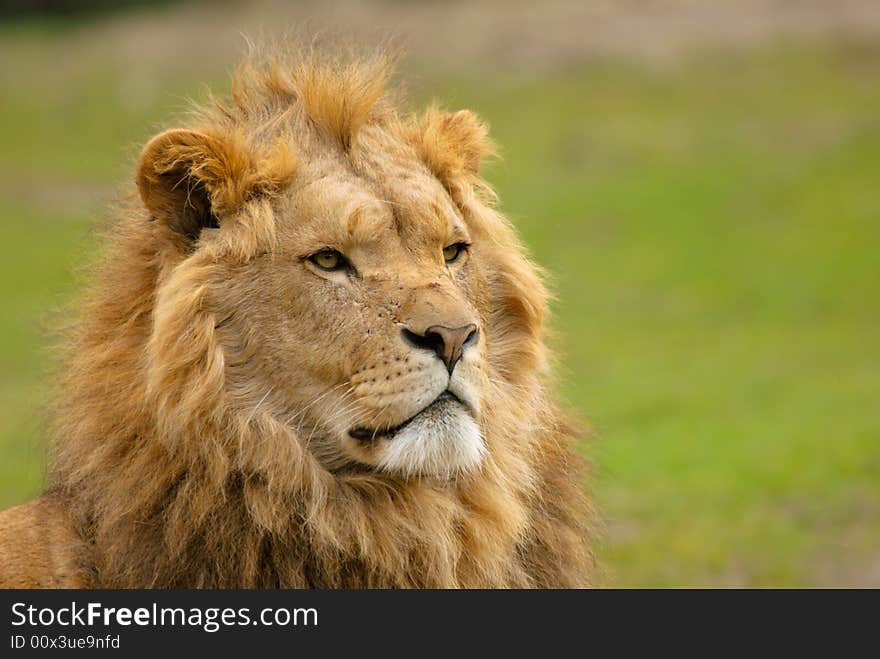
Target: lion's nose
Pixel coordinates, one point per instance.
(447, 342)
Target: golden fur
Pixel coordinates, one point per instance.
(195, 443)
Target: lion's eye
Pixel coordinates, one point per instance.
(452, 252)
(329, 260)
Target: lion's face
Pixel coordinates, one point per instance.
(334, 268)
(361, 327)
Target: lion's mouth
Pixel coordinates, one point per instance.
(369, 435)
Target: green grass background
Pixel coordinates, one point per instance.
(712, 230)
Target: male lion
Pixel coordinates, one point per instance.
(312, 356)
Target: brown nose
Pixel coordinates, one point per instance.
(447, 342)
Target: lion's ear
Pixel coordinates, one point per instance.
(452, 144)
(189, 179)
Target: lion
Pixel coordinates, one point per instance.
(312, 355)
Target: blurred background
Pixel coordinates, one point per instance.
(701, 178)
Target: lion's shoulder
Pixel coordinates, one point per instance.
(38, 546)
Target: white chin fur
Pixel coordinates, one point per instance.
(444, 442)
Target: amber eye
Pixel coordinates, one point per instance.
(329, 260)
(453, 252)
